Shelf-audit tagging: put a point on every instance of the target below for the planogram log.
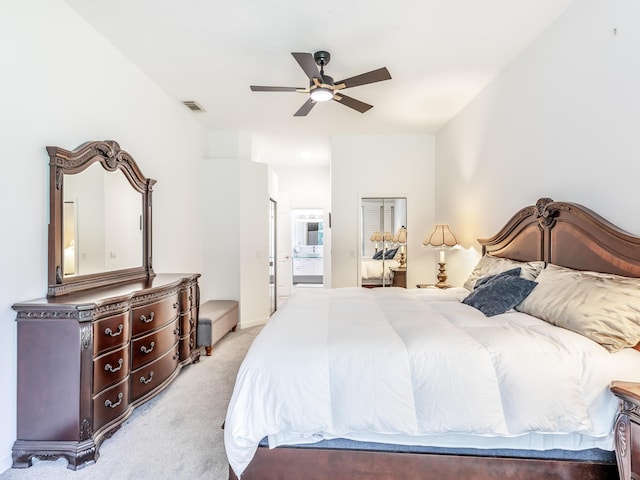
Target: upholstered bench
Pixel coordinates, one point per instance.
(215, 320)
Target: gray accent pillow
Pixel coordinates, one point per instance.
(490, 265)
(499, 294)
(514, 272)
(390, 254)
(602, 307)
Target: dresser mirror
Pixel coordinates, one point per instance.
(100, 218)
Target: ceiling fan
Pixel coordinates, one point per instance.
(322, 88)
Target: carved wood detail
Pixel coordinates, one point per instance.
(69, 162)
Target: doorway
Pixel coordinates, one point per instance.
(307, 239)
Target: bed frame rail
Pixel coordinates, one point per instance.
(322, 464)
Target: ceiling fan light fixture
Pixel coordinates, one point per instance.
(321, 94)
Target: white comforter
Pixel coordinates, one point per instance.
(416, 366)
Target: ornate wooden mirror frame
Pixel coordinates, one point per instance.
(112, 158)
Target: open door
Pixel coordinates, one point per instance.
(273, 271)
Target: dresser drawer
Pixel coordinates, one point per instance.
(188, 298)
(110, 368)
(187, 344)
(151, 316)
(145, 379)
(188, 321)
(110, 404)
(635, 448)
(151, 346)
(110, 332)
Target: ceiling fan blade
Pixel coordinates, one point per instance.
(370, 77)
(307, 63)
(257, 88)
(305, 108)
(352, 103)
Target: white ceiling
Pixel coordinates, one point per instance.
(440, 54)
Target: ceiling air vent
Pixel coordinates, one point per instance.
(193, 106)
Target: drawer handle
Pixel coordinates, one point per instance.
(144, 349)
(110, 404)
(176, 331)
(111, 333)
(145, 319)
(176, 355)
(147, 380)
(109, 368)
(192, 322)
(176, 305)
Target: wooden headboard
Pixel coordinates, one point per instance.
(569, 235)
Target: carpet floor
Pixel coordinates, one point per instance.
(177, 435)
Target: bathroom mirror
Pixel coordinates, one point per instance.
(100, 218)
(382, 250)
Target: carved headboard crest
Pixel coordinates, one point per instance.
(547, 211)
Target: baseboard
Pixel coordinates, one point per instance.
(252, 323)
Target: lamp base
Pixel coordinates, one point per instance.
(442, 276)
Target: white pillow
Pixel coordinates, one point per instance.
(602, 307)
(490, 265)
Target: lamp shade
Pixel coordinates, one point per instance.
(441, 237)
(401, 236)
(375, 237)
(388, 237)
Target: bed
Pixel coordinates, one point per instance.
(383, 420)
(377, 272)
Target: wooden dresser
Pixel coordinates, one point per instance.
(87, 359)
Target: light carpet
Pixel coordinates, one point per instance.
(177, 435)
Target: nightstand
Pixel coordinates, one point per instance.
(430, 285)
(399, 277)
(627, 429)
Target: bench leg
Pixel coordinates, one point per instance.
(234, 327)
(208, 350)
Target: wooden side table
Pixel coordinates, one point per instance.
(430, 285)
(399, 277)
(627, 429)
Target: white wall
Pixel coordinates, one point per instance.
(235, 217)
(560, 122)
(381, 166)
(63, 84)
(308, 187)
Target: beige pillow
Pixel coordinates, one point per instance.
(490, 265)
(602, 307)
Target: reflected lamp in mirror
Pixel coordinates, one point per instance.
(401, 239)
(442, 238)
(375, 238)
(388, 238)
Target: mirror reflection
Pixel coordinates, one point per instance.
(102, 222)
(383, 242)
